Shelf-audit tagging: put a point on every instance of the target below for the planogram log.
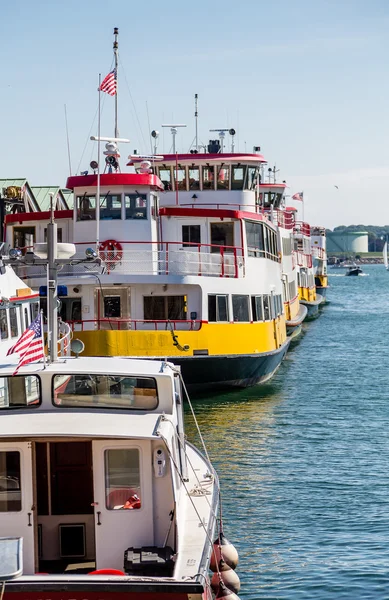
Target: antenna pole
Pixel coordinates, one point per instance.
(98, 170)
(196, 122)
(52, 312)
(67, 139)
(115, 51)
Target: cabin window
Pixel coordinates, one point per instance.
(70, 309)
(10, 483)
(13, 322)
(180, 178)
(59, 234)
(163, 308)
(24, 238)
(111, 207)
(86, 208)
(266, 308)
(240, 307)
(252, 176)
(254, 237)
(3, 324)
(208, 178)
(194, 178)
(105, 391)
(136, 206)
(257, 308)
(223, 177)
(34, 310)
(122, 478)
(26, 321)
(190, 235)
(217, 308)
(222, 234)
(112, 307)
(19, 392)
(165, 175)
(237, 177)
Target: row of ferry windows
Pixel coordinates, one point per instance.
(9, 322)
(114, 207)
(122, 482)
(263, 308)
(219, 177)
(261, 240)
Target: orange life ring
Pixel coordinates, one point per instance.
(111, 251)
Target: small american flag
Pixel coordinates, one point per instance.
(109, 83)
(299, 196)
(30, 344)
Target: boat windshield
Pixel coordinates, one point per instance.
(105, 391)
(19, 392)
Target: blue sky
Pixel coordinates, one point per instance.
(307, 81)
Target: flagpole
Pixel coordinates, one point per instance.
(43, 341)
(98, 171)
(115, 51)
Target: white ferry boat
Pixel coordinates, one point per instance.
(193, 267)
(319, 255)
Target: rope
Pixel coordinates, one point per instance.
(133, 104)
(192, 502)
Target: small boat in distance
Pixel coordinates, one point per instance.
(354, 271)
(385, 254)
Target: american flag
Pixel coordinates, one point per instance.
(109, 83)
(299, 196)
(30, 344)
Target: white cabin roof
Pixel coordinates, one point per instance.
(79, 423)
(112, 365)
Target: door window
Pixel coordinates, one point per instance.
(122, 479)
(3, 324)
(222, 234)
(190, 235)
(10, 486)
(13, 321)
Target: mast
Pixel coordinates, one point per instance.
(115, 51)
(196, 120)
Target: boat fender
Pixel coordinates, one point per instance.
(224, 555)
(224, 592)
(229, 578)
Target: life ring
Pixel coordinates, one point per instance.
(111, 252)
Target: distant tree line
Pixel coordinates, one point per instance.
(377, 234)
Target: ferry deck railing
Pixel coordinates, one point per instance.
(135, 324)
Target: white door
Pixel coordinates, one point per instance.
(16, 498)
(122, 476)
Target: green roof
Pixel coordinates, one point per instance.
(4, 183)
(69, 197)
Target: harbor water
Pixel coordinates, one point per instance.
(303, 460)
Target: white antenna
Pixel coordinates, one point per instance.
(222, 135)
(145, 157)
(173, 131)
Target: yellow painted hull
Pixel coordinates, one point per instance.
(212, 339)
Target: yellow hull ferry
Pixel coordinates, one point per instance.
(308, 294)
(192, 261)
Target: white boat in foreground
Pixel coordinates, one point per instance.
(98, 480)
